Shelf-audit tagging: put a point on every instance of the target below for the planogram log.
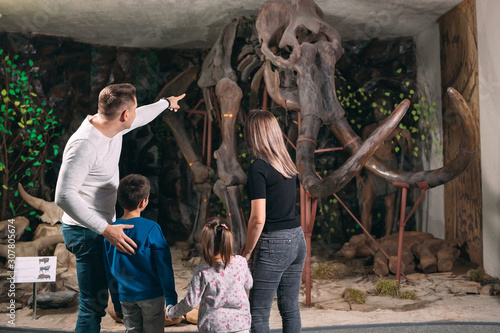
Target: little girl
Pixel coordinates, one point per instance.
(219, 285)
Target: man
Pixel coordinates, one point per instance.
(86, 191)
(372, 186)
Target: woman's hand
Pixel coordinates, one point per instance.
(244, 253)
(256, 223)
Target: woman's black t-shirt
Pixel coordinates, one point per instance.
(264, 182)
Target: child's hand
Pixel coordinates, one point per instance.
(119, 314)
(166, 314)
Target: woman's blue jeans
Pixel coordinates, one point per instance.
(87, 245)
(277, 268)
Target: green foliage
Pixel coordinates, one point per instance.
(409, 294)
(27, 130)
(354, 296)
(329, 224)
(359, 102)
(359, 105)
(329, 270)
(393, 288)
(387, 288)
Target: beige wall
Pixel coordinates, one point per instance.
(431, 214)
(489, 100)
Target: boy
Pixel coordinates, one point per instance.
(142, 283)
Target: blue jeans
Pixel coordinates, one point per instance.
(87, 245)
(277, 268)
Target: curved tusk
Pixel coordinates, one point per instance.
(340, 177)
(431, 178)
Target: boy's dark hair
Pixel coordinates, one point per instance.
(132, 189)
(115, 98)
(216, 238)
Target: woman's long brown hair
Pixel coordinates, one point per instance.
(264, 137)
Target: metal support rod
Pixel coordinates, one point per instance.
(402, 223)
(307, 264)
(193, 110)
(34, 300)
(308, 206)
(205, 135)
(303, 219)
(368, 234)
(312, 218)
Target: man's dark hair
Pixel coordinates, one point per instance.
(132, 189)
(115, 98)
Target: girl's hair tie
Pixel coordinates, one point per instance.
(224, 226)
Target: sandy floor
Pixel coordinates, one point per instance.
(437, 303)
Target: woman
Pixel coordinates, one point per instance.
(274, 230)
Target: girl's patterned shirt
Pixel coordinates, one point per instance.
(221, 294)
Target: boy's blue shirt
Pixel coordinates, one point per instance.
(145, 275)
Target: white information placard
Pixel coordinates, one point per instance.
(35, 269)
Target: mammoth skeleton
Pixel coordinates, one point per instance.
(294, 51)
(296, 28)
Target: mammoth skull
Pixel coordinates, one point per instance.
(304, 48)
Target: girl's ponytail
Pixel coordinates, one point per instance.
(226, 244)
(216, 239)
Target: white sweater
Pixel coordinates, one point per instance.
(88, 179)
